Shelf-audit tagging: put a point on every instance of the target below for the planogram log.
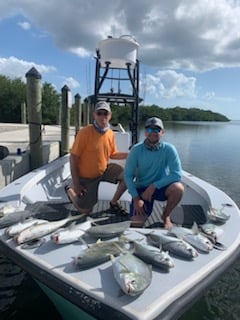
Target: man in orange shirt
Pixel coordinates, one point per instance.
(93, 147)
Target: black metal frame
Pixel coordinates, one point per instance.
(102, 74)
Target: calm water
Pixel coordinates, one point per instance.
(208, 150)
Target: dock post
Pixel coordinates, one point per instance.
(86, 113)
(34, 106)
(78, 113)
(65, 120)
(23, 112)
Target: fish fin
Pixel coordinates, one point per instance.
(123, 238)
(112, 258)
(195, 229)
(178, 236)
(219, 246)
(83, 241)
(123, 265)
(118, 247)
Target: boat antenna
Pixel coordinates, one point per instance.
(112, 88)
(119, 86)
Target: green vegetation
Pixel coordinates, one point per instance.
(13, 94)
(122, 114)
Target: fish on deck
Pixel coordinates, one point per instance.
(176, 247)
(109, 230)
(40, 230)
(71, 234)
(99, 252)
(218, 215)
(131, 273)
(74, 232)
(12, 217)
(16, 228)
(193, 236)
(153, 255)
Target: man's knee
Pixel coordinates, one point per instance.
(120, 176)
(175, 189)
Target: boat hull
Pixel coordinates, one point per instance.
(94, 293)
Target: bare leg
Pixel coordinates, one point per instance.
(174, 195)
(115, 207)
(121, 188)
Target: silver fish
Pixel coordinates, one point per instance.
(217, 215)
(131, 273)
(74, 232)
(98, 253)
(212, 232)
(175, 246)
(192, 236)
(71, 234)
(5, 210)
(14, 217)
(40, 230)
(16, 228)
(152, 255)
(110, 230)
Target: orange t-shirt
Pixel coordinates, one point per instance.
(94, 150)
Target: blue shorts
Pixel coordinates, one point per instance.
(159, 194)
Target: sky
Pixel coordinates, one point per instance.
(189, 51)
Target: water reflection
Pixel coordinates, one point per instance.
(11, 277)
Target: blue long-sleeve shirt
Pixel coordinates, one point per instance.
(159, 167)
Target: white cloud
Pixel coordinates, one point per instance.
(25, 25)
(16, 68)
(81, 52)
(174, 37)
(169, 84)
(177, 34)
(71, 83)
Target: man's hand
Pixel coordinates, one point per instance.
(148, 193)
(138, 207)
(80, 190)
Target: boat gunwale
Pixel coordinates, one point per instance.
(45, 273)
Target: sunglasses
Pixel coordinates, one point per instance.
(102, 113)
(153, 130)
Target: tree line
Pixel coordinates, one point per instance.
(13, 94)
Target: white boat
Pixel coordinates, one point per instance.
(93, 293)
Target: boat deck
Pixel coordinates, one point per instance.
(183, 215)
(41, 193)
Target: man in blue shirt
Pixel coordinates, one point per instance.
(153, 172)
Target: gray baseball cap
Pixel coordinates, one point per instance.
(102, 105)
(154, 121)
